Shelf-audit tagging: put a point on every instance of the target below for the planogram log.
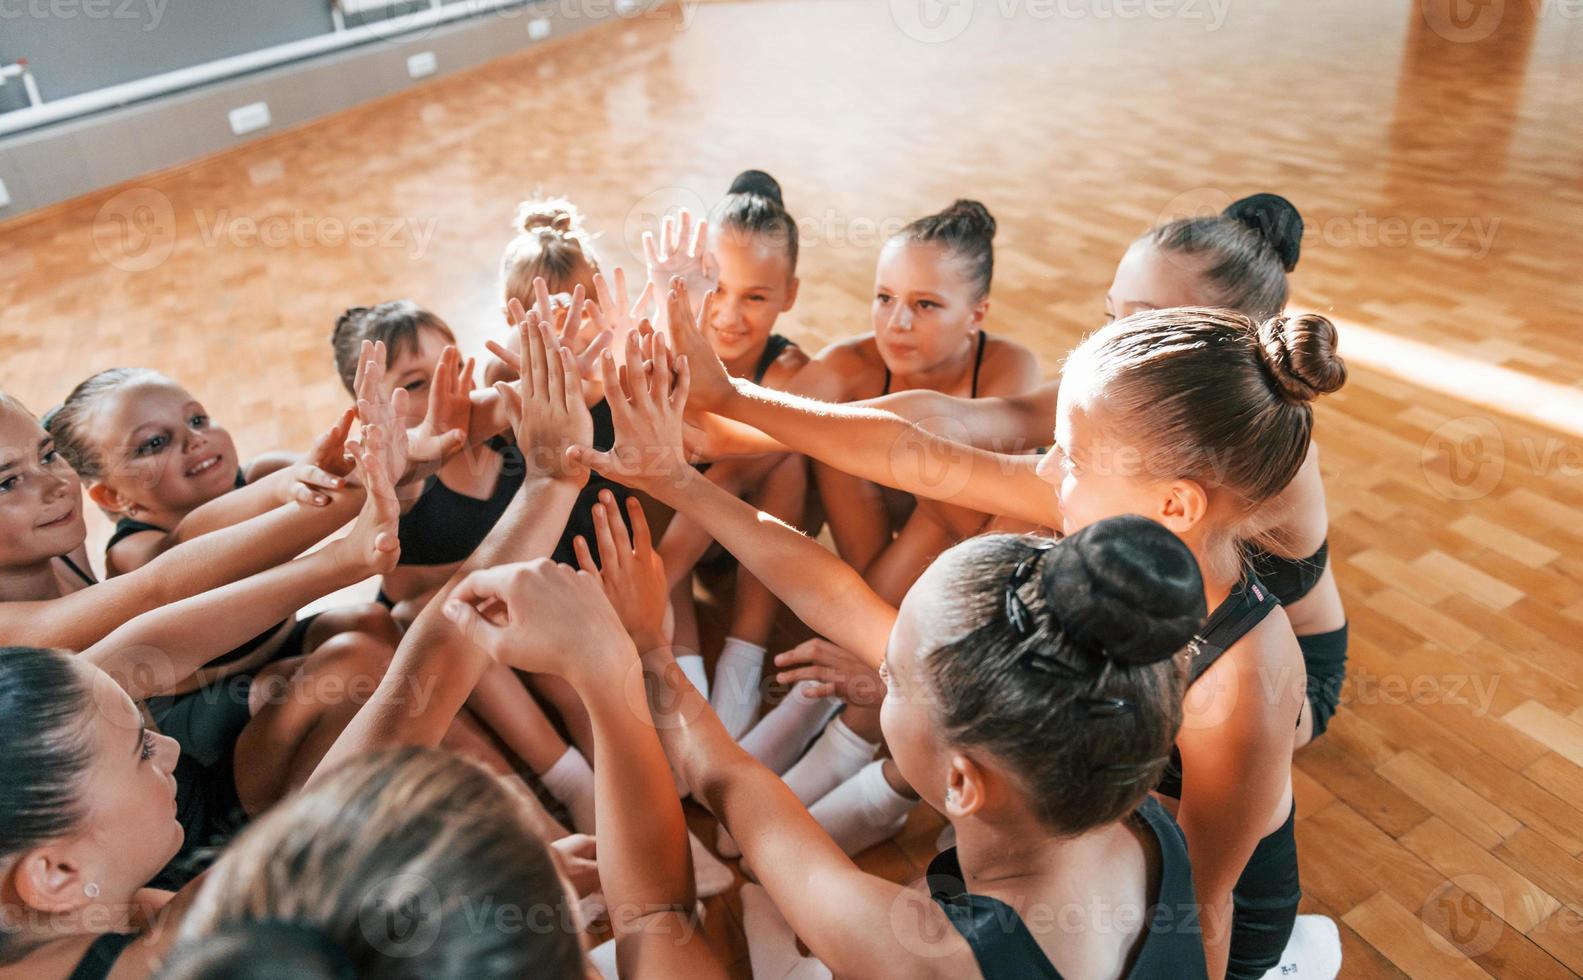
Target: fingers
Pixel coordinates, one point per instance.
(585, 558)
(553, 387)
(507, 356)
(568, 327)
(512, 399)
(644, 300)
(642, 537)
(309, 497)
(700, 238)
(618, 527)
(651, 255)
(515, 314)
(599, 461)
(542, 308)
(610, 555)
(684, 381)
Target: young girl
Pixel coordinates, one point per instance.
(1032, 695)
(91, 807)
(84, 816)
(1198, 418)
(752, 260)
(1238, 260)
(155, 461)
(931, 298)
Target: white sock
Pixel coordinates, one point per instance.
(709, 874)
(831, 760)
(780, 736)
(772, 945)
(1312, 953)
(736, 694)
(863, 811)
(571, 781)
(692, 666)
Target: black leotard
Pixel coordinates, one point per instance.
(978, 362)
(1289, 578)
(445, 527)
(1173, 947)
(774, 347)
(86, 576)
(127, 526)
(1264, 900)
(97, 963)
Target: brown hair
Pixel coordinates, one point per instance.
(1247, 250)
(397, 323)
(966, 230)
(754, 205)
(1210, 395)
(1081, 701)
(551, 242)
(67, 423)
(406, 863)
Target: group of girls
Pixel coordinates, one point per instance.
(1093, 655)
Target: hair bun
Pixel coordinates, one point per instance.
(556, 216)
(1300, 353)
(759, 184)
(1126, 586)
(1274, 219)
(970, 218)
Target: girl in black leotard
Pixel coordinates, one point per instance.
(752, 246)
(1032, 697)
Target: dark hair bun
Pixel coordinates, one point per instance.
(1128, 587)
(968, 219)
(759, 184)
(1275, 220)
(1300, 354)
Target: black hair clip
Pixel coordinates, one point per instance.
(1107, 707)
(1017, 612)
(1054, 666)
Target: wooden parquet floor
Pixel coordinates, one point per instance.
(1439, 163)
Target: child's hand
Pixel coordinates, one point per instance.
(834, 671)
(689, 336)
(543, 618)
(631, 572)
(373, 546)
(681, 251)
(612, 312)
(443, 430)
(324, 469)
(546, 406)
(646, 397)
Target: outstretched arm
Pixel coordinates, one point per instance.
(435, 668)
(872, 443)
(646, 400)
(161, 648)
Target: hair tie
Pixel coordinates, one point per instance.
(307, 935)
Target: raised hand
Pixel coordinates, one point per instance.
(646, 397)
(630, 570)
(689, 336)
(325, 468)
(373, 546)
(681, 250)
(543, 618)
(443, 430)
(833, 670)
(546, 406)
(612, 311)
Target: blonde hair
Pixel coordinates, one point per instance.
(406, 863)
(551, 242)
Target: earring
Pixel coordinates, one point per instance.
(91, 890)
(949, 797)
